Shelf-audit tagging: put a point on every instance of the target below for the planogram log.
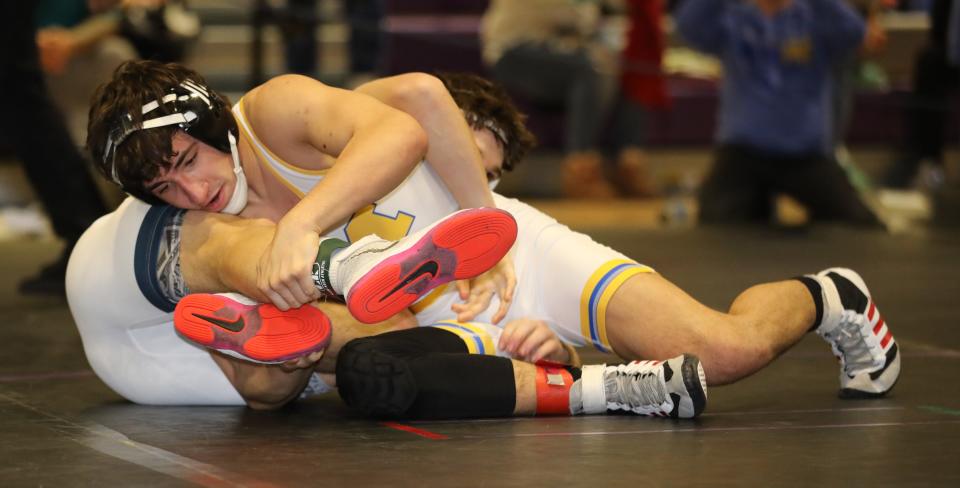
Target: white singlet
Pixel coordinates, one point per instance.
(125, 322)
(563, 277)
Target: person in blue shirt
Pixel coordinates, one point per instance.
(35, 127)
(936, 73)
(774, 124)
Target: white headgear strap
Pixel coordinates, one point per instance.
(238, 201)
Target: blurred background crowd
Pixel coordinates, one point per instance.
(648, 112)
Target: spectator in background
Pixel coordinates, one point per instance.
(774, 131)
(78, 51)
(548, 52)
(161, 30)
(847, 69)
(53, 164)
(935, 77)
(499, 128)
(298, 23)
(643, 88)
(953, 36)
(365, 43)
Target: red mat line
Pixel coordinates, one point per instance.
(413, 430)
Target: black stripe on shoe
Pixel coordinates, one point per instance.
(853, 394)
(892, 353)
(851, 296)
(691, 380)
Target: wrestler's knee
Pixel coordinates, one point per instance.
(375, 383)
(731, 358)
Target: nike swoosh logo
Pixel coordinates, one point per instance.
(430, 267)
(231, 325)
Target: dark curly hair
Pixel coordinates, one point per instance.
(487, 105)
(144, 153)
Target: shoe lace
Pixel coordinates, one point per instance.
(636, 390)
(850, 343)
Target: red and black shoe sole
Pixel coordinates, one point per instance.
(261, 333)
(463, 246)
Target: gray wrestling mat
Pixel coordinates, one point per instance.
(59, 426)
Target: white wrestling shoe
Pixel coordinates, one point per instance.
(674, 388)
(380, 278)
(869, 356)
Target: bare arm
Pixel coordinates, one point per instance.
(219, 253)
(451, 152)
(58, 45)
(376, 147)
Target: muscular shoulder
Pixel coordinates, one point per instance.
(275, 109)
(298, 118)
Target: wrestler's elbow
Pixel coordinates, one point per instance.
(265, 387)
(415, 136)
(265, 406)
(417, 92)
(267, 399)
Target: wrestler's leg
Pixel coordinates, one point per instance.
(377, 278)
(219, 253)
(270, 386)
(650, 317)
(427, 373)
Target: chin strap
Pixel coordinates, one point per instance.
(238, 201)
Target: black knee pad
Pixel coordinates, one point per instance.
(376, 383)
(423, 373)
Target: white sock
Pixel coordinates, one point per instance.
(316, 386)
(591, 391)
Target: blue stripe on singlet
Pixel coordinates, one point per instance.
(147, 252)
(472, 333)
(595, 302)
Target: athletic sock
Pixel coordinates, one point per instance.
(588, 394)
(316, 386)
(576, 398)
(324, 264)
(816, 291)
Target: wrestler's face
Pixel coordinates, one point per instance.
(199, 177)
(491, 151)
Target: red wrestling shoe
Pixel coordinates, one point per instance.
(238, 327)
(380, 278)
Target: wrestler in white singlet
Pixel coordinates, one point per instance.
(563, 277)
(124, 314)
(126, 321)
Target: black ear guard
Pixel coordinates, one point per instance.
(197, 111)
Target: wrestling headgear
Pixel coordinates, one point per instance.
(203, 116)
